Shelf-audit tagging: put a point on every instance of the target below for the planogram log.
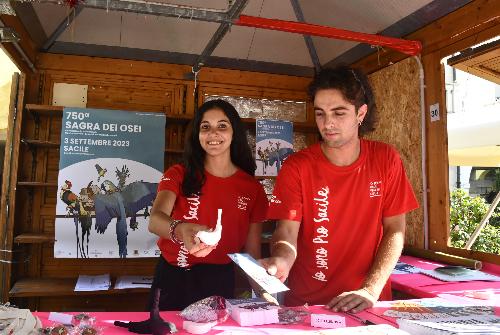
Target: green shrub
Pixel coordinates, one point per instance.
(465, 214)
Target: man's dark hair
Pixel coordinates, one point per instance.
(194, 155)
(354, 86)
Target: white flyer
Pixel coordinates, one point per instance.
(252, 268)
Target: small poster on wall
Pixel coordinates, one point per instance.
(274, 143)
(109, 168)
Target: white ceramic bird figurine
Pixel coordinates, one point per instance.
(212, 237)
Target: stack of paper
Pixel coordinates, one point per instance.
(124, 282)
(93, 283)
(252, 312)
(462, 325)
(428, 308)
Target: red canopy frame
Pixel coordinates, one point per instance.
(408, 47)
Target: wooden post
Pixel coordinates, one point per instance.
(9, 179)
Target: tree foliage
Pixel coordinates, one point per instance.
(465, 214)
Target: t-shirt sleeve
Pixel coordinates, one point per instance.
(172, 180)
(286, 201)
(399, 197)
(260, 206)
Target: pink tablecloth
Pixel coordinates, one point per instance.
(105, 320)
(422, 286)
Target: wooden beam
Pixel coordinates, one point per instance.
(481, 61)
(34, 238)
(29, 47)
(437, 155)
(169, 72)
(29, 18)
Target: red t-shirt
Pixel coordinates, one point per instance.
(241, 198)
(341, 211)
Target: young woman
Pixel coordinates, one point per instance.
(218, 173)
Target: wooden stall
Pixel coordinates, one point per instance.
(39, 281)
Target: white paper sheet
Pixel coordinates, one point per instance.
(93, 283)
(248, 264)
(124, 282)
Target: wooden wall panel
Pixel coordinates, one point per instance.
(400, 124)
(119, 92)
(52, 167)
(168, 72)
(95, 303)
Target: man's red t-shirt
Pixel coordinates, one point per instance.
(241, 198)
(340, 210)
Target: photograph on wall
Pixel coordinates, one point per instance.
(109, 167)
(274, 143)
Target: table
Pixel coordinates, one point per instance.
(104, 320)
(417, 285)
(422, 286)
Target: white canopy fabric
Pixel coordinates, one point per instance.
(478, 156)
(474, 138)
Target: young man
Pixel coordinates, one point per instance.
(340, 204)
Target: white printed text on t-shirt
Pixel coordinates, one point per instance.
(194, 203)
(321, 232)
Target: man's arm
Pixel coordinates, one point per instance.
(283, 249)
(386, 257)
(253, 243)
(388, 253)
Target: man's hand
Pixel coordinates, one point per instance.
(277, 266)
(353, 301)
(186, 232)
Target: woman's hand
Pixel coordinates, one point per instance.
(186, 232)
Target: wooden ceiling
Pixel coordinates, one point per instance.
(144, 34)
(482, 61)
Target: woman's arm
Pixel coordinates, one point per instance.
(160, 221)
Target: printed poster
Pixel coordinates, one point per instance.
(110, 164)
(274, 143)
